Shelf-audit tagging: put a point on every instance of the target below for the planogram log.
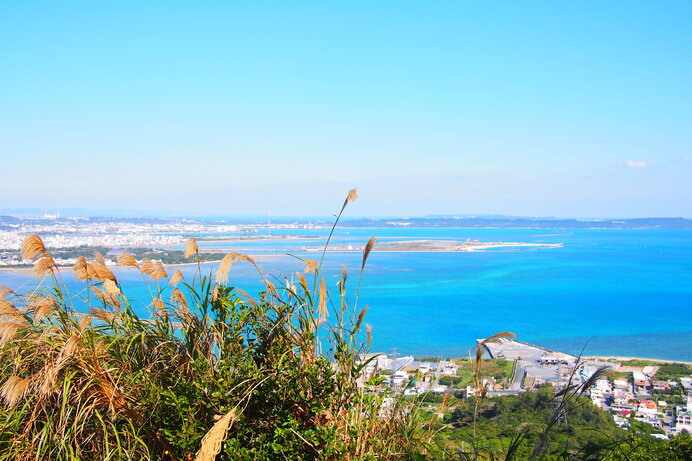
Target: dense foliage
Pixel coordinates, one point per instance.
(583, 429)
(211, 373)
(111, 385)
(679, 448)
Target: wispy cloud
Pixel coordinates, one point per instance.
(687, 158)
(638, 164)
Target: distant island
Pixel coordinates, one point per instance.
(431, 246)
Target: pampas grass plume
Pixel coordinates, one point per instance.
(361, 316)
(80, 268)
(44, 265)
(310, 266)
(126, 259)
(159, 271)
(191, 247)
(33, 247)
(214, 439)
(367, 250)
(43, 306)
(8, 330)
(98, 257)
(101, 272)
(177, 276)
(147, 267)
(14, 389)
(322, 307)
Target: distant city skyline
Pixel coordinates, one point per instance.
(243, 109)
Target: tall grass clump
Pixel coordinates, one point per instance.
(210, 373)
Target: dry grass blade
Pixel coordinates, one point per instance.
(33, 247)
(102, 314)
(159, 306)
(367, 250)
(499, 337)
(496, 338)
(84, 322)
(249, 298)
(80, 268)
(352, 196)
(368, 332)
(111, 288)
(49, 382)
(214, 439)
(101, 272)
(178, 297)
(44, 266)
(361, 316)
(303, 282)
(8, 330)
(191, 247)
(7, 308)
(43, 306)
(107, 298)
(98, 257)
(322, 307)
(159, 271)
(147, 267)
(310, 266)
(177, 277)
(225, 267)
(14, 389)
(126, 259)
(271, 288)
(226, 263)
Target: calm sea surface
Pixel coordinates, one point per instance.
(609, 292)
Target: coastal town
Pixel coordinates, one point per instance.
(106, 234)
(163, 237)
(656, 393)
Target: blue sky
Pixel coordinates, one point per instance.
(525, 108)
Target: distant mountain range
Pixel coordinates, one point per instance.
(530, 223)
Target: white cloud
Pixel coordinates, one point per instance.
(687, 158)
(637, 164)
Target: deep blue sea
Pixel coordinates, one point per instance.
(607, 292)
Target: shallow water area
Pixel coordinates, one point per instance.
(606, 291)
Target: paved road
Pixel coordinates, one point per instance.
(519, 374)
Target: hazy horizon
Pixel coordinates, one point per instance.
(156, 214)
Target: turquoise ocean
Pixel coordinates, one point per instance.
(606, 291)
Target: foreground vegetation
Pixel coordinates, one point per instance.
(518, 422)
(214, 373)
